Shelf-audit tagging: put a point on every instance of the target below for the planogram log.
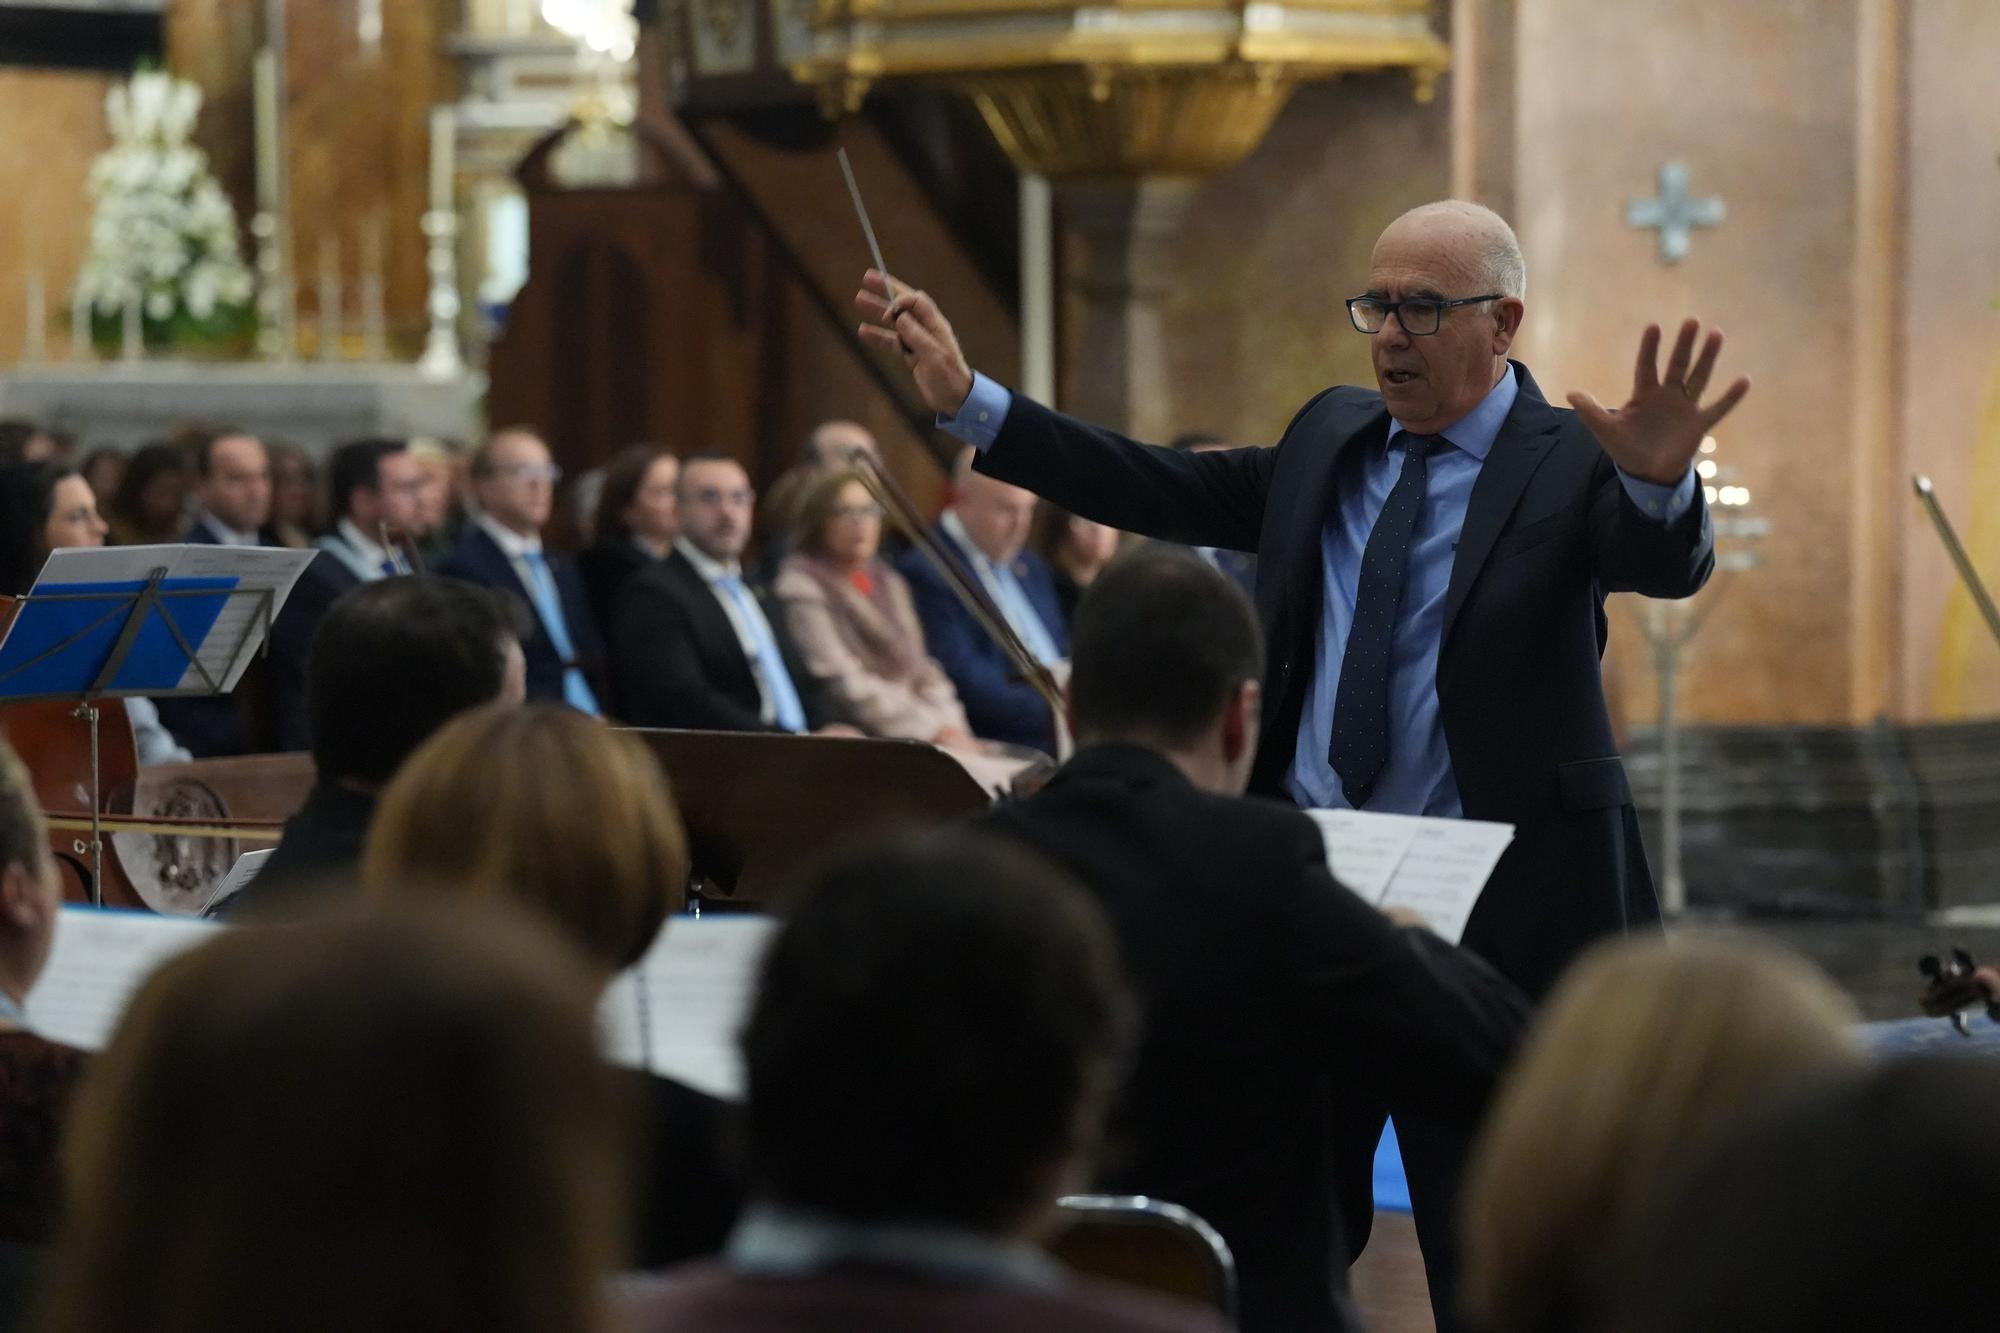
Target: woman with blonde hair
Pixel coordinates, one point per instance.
(1645, 1049)
(552, 810)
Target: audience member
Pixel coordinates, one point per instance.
(694, 643)
(1076, 551)
(45, 507)
(298, 509)
(984, 530)
(502, 548)
(104, 470)
(1646, 1048)
(447, 498)
(25, 442)
(1241, 566)
(392, 662)
(151, 504)
(232, 489)
(937, 1030)
(1867, 1204)
(829, 445)
(637, 520)
(1282, 1011)
(602, 856)
(36, 1075)
(853, 620)
(396, 1123)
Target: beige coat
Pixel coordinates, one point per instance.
(870, 651)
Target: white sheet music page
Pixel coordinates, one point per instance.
(226, 653)
(621, 1032)
(1442, 875)
(1363, 848)
(694, 988)
(99, 959)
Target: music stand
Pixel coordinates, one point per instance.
(1953, 547)
(761, 807)
(158, 635)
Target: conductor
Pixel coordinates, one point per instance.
(1432, 561)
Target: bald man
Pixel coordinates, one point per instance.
(985, 530)
(1432, 561)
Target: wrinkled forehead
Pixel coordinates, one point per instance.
(1424, 259)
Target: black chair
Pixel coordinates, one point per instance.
(1161, 1247)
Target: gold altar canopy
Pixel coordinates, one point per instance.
(1124, 89)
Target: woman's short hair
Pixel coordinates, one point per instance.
(393, 1121)
(623, 476)
(816, 503)
(543, 806)
(1645, 1049)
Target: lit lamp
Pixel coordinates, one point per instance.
(1670, 626)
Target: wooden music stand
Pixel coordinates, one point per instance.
(762, 807)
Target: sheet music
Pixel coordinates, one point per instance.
(227, 652)
(100, 957)
(238, 879)
(685, 1000)
(1363, 848)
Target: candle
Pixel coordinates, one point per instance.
(329, 297)
(79, 324)
(37, 314)
(443, 130)
(266, 115)
(135, 331)
(374, 331)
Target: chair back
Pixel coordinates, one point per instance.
(1161, 1247)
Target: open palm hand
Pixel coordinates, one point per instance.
(1656, 434)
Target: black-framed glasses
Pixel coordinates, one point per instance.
(1419, 315)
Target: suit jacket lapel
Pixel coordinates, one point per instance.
(1522, 444)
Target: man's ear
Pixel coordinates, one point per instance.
(21, 903)
(1239, 721)
(1507, 314)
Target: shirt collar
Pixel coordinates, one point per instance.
(954, 528)
(774, 1241)
(1476, 431)
(360, 542)
(230, 536)
(511, 543)
(710, 569)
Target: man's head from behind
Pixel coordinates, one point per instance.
(1435, 364)
(936, 1034)
(1166, 653)
(378, 484)
(233, 479)
(515, 479)
(996, 516)
(395, 660)
(715, 505)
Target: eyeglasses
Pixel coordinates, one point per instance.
(856, 511)
(548, 472)
(1419, 316)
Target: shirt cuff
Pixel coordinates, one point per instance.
(1663, 504)
(981, 415)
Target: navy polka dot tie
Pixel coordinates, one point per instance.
(1359, 748)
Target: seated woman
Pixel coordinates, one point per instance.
(855, 625)
(45, 507)
(396, 1122)
(1076, 549)
(638, 517)
(151, 506)
(1645, 1050)
(36, 1075)
(550, 809)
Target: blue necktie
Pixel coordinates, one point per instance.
(548, 606)
(1359, 749)
(770, 662)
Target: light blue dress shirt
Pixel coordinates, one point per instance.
(1418, 778)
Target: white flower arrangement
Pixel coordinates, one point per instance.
(163, 233)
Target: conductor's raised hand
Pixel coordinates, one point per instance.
(1656, 434)
(915, 329)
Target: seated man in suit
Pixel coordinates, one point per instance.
(515, 480)
(377, 490)
(233, 508)
(394, 660)
(694, 644)
(900, 1170)
(986, 530)
(1281, 1009)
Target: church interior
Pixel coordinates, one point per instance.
(317, 315)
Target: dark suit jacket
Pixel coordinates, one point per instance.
(686, 1200)
(1548, 532)
(604, 567)
(478, 559)
(708, 1298)
(318, 856)
(676, 660)
(324, 582)
(1000, 705)
(1271, 998)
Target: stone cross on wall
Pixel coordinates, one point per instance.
(1675, 213)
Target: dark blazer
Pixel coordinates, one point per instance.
(1000, 705)
(676, 660)
(604, 566)
(1274, 1001)
(214, 725)
(1548, 532)
(685, 1198)
(478, 559)
(319, 850)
